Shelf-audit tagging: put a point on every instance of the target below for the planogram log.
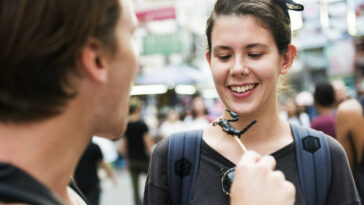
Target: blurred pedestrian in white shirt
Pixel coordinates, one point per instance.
(198, 118)
(171, 125)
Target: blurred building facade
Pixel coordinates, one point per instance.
(172, 45)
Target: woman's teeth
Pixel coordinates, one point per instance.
(242, 89)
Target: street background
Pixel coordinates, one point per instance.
(122, 193)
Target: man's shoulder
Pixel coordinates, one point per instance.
(16, 186)
(349, 115)
(350, 106)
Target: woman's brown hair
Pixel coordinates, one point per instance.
(268, 13)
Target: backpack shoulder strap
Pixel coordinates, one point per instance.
(314, 164)
(183, 160)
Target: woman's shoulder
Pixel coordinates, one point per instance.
(337, 151)
(161, 148)
(342, 187)
(158, 163)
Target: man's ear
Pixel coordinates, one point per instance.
(94, 61)
(208, 57)
(288, 58)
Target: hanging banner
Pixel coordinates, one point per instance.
(156, 14)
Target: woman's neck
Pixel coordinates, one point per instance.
(268, 134)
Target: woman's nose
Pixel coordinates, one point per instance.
(239, 69)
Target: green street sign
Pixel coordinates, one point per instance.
(163, 44)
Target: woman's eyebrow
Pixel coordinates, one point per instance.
(249, 46)
(220, 47)
(254, 45)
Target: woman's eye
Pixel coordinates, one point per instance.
(255, 55)
(224, 57)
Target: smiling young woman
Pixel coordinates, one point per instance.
(249, 49)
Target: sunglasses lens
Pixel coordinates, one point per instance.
(227, 180)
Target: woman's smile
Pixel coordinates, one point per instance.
(242, 90)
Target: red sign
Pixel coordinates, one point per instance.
(156, 14)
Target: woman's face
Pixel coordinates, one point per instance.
(245, 64)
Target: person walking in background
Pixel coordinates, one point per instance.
(136, 146)
(171, 124)
(324, 99)
(304, 100)
(350, 122)
(86, 174)
(293, 115)
(198, 117)
(350, 133)
(340, 92)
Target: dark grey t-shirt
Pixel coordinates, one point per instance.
(208, 189)
(17, 186)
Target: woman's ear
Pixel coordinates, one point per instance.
(288, 58)
(93, 61)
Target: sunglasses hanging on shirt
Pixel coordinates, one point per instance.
(228, 176)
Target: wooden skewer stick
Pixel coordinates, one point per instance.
(240, 143)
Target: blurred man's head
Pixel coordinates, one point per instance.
(324, 95)
(135, 106)
(51, 52)
(340, 91)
